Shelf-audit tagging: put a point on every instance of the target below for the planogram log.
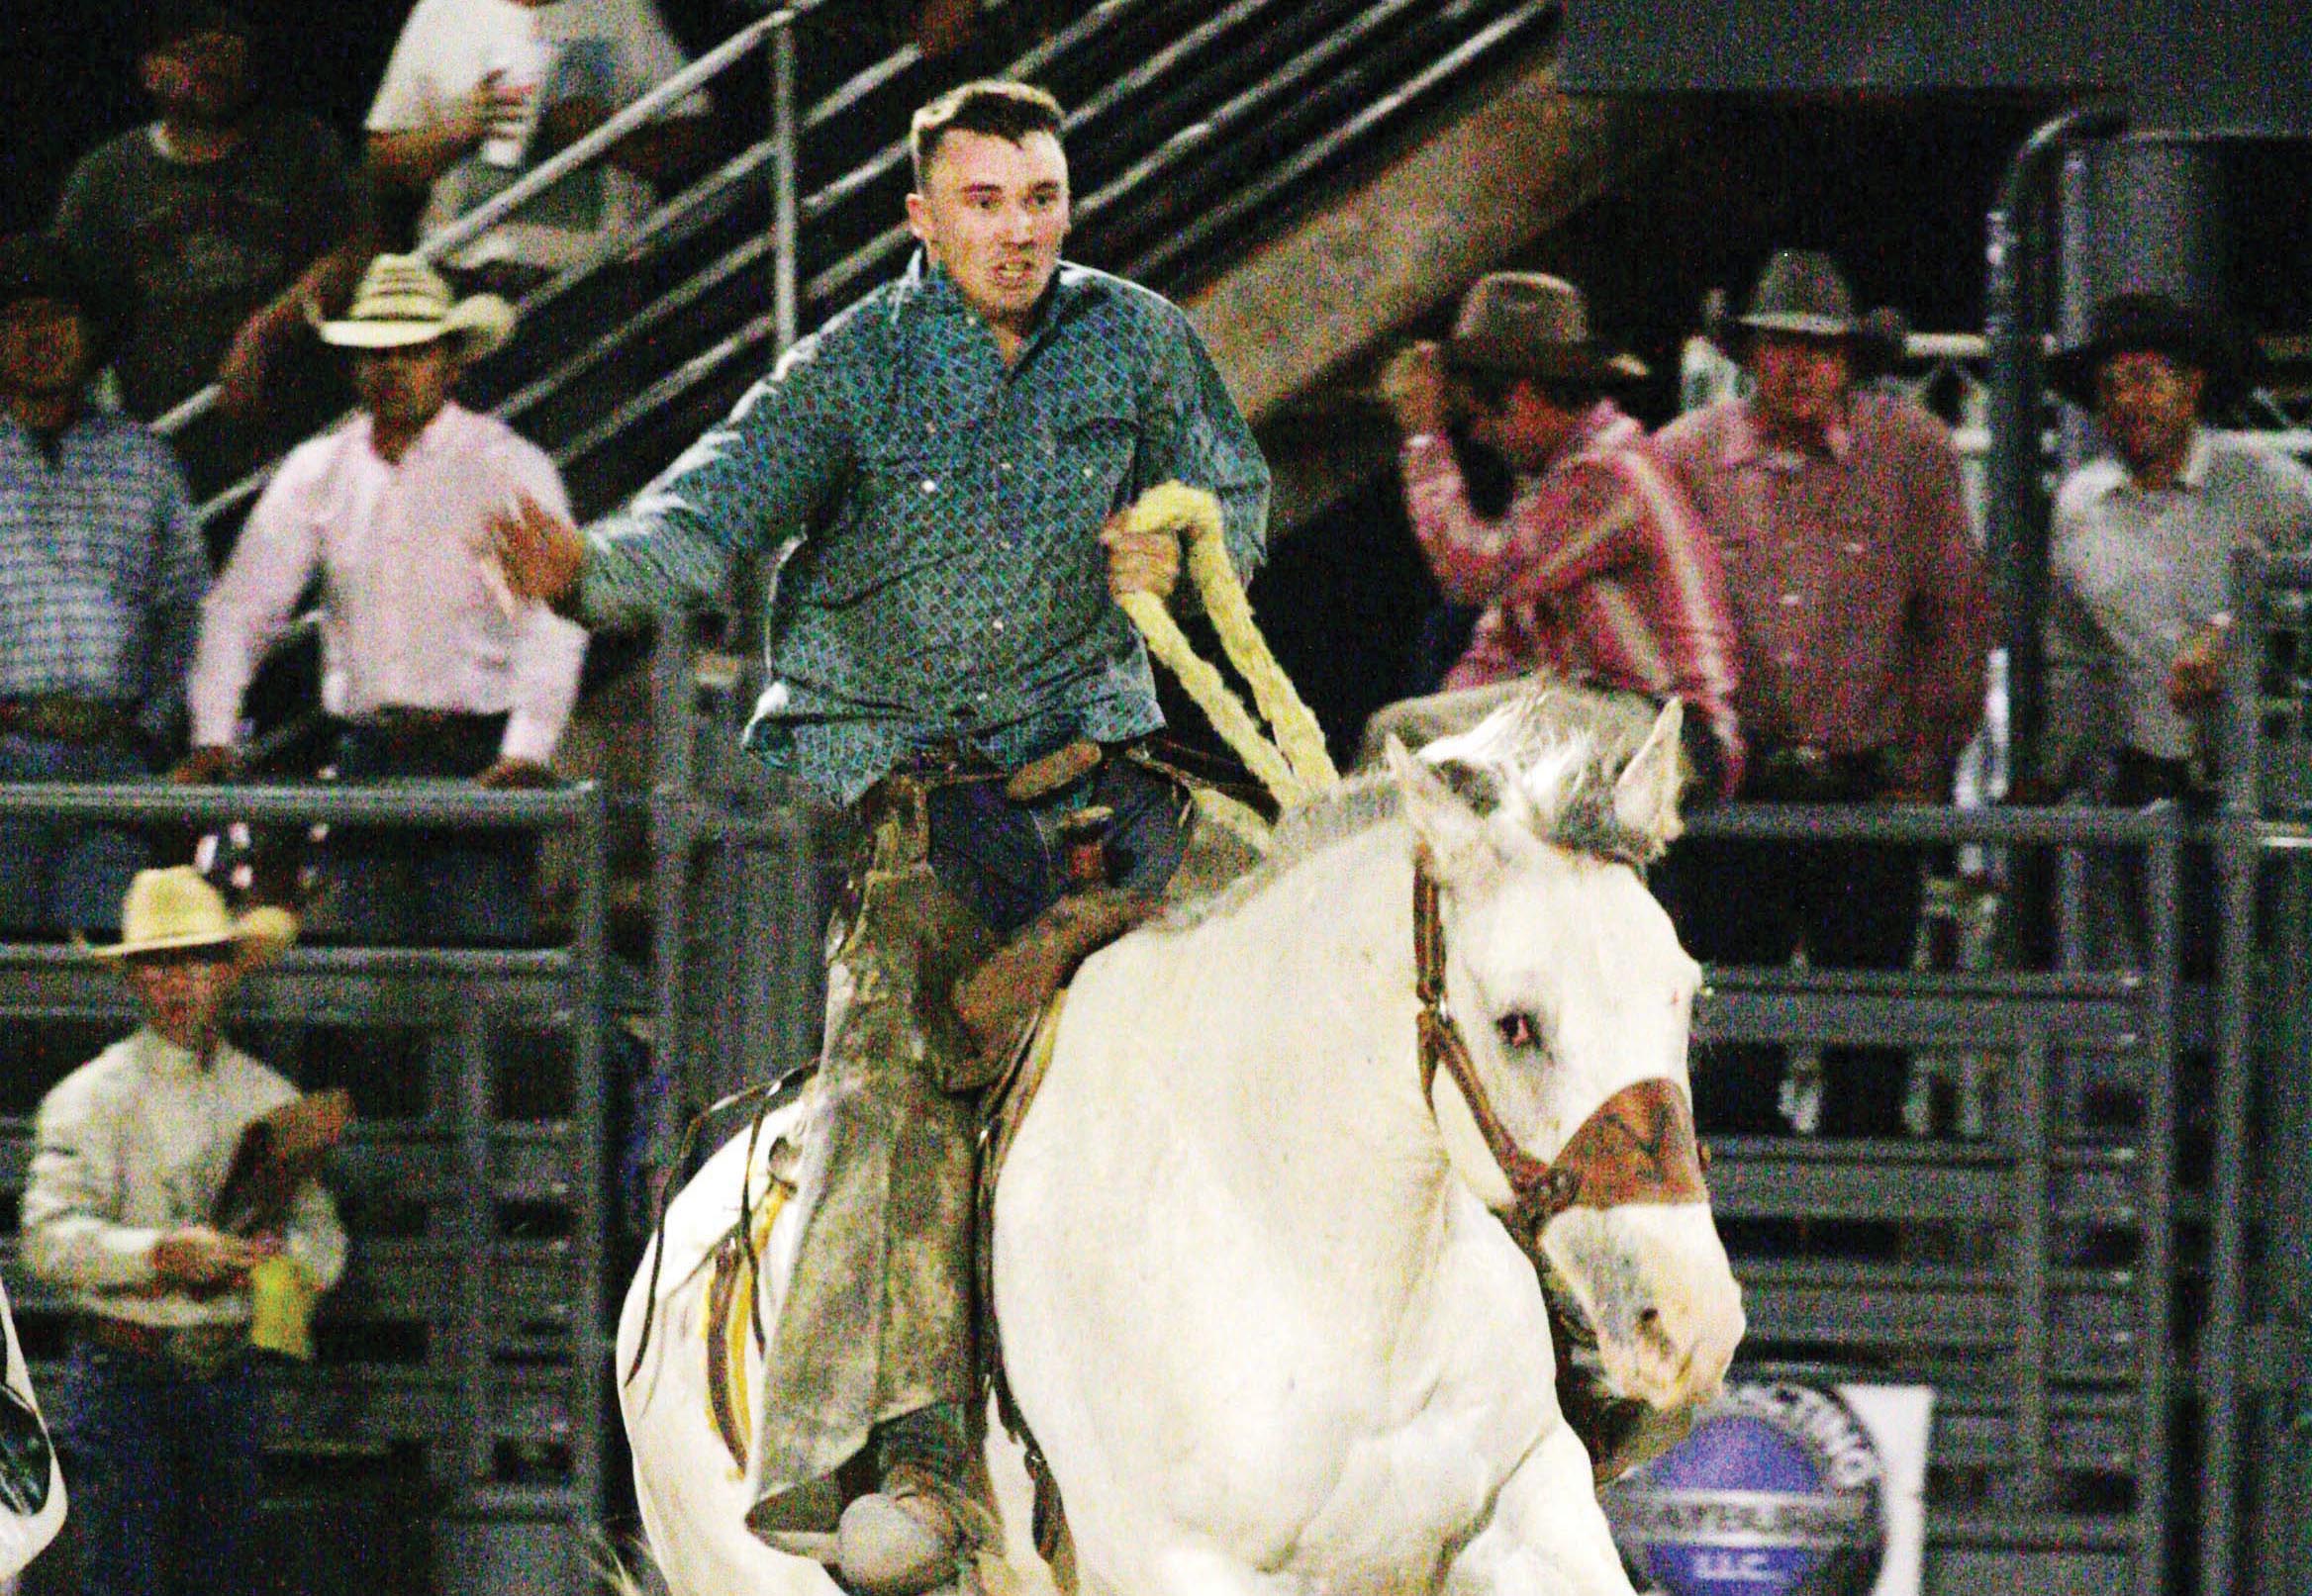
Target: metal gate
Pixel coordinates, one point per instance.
(449, 1436)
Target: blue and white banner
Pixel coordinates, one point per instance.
(1784, 1489)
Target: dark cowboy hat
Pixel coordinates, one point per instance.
(171, 21)
(1527, 324)
(1803, 294)
(2148, 324)
(33, 265)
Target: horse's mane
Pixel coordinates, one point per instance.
(1558, 748)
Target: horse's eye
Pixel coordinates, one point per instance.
(1518, 1029)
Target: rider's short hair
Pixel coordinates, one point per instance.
(997, 108)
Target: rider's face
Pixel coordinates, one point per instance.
(992, 214)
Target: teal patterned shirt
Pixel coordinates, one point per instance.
(932, 519)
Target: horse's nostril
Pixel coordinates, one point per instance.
(1650, 1319)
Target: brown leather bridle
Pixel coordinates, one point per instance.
(1636, 1147)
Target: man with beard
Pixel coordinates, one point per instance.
(429, 665)
(939, 474)
(101, 575)
(2143, 537)
(1863, 623)
(2141, 557)
(215, 227)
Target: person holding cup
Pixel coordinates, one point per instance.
(479, 91)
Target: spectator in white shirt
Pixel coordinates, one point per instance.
(479, 90)
(431, 665)
(161, 1415)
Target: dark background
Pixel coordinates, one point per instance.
(1897, 186)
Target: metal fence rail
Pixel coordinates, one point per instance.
(2035, 1282)
(464, 1354)
(2257, 1468)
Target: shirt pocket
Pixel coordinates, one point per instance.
(1093, 452)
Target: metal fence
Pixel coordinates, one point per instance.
(2027, 1273)
(2254, 1377)
(459, 1388)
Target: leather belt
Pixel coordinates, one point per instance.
(67, 718)
(1802, 773)
(204, 1348)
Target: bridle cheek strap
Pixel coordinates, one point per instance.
(1636, 1147)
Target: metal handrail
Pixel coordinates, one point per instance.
(583, 151)
(846, 271)
(1312, 156)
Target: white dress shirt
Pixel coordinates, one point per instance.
(136, 1144)
(415, 613)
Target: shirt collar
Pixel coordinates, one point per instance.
(441, 425)
(23, 435)
(1746, 440)
(928, 286)
(2191, 479)
(170, 1059)
(1600, 425)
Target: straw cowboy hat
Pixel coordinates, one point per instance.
(169, 910)
(1527, 324)
(1802, 294)
(2149, 323)
(403, 301)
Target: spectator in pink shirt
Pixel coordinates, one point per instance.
(431, 668)
(1599, 571)
(1863, 623)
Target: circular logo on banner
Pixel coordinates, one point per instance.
(1775, 1493)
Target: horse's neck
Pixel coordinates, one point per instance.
(1303, 1037)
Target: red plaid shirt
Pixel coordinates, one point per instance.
(1857, 589)
(1598, 570)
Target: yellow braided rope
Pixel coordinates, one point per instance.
(1297, 764)
(1221, 706)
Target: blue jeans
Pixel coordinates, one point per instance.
(163, 1468)
(1003, 859)
(57, 877)
(422, 888)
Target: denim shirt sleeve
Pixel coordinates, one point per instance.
(762, 478)
(1193, 432)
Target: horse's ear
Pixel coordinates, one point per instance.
(1645, 797)
(1452, 831)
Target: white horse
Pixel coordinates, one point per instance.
(1256, 1297)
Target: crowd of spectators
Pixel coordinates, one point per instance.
(1797, 564)
(218, 247)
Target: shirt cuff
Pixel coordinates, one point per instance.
(530, 737)
(122, 1259)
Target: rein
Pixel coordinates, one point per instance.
(1636, 1147)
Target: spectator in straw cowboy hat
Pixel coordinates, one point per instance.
(2142, 542)
(101, 575)
(431, 665)
(161, 1415)
(1598, 570)
(1863, 623)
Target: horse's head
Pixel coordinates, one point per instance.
(1568, 989)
